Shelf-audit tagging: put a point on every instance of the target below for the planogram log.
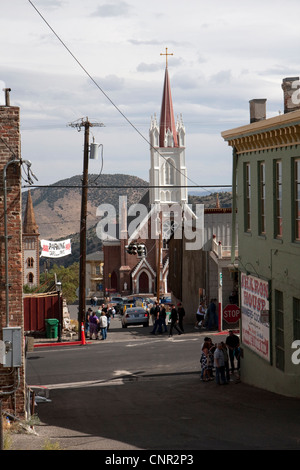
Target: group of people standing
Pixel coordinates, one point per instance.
(98, 321)
(219, 358)
(159, 315)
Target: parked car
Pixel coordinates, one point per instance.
(135, 316)
(165, 300)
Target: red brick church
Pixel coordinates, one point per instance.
(135, 274)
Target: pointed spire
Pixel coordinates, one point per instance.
(167, 121)
(29, 224)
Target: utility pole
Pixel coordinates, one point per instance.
(86, 124)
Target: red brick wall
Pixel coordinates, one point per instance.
(10, 149)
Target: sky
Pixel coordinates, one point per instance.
(68, 60)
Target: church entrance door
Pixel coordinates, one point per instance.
(143, 283)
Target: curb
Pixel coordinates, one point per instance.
(69, 343)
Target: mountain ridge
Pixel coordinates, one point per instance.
(57, 207)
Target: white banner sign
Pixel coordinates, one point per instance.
(52, 249)
(254, 303)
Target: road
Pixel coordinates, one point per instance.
(136, 391)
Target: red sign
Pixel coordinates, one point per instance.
(231, 313)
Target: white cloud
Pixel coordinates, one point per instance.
(112, 9)
(225, 54)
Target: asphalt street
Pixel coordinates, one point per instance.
(161, 406)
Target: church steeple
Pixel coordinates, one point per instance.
(167, 139)
(167, 128)
(29, 225)
(30, 239)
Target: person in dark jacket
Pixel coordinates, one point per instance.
(174, 318)
(162, 319)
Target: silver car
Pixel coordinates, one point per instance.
(135, 316)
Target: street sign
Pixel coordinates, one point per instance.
(231, 313)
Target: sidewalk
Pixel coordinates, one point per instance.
(116, 332)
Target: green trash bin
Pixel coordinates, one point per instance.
(51, 327)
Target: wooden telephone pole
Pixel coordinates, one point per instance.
(86, 124)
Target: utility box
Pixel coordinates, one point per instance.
(12, 339)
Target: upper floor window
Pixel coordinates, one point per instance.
(262, 197)
(247, 185)
(29, 244)
(296, 318)
(30, 262)
(297, 199)
(278, 199)
(97, 270)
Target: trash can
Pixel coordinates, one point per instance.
(51, 327)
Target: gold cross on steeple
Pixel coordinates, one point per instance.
(166, 54)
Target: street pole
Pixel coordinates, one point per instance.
(158, 274)
(82, 259)
(86, 124)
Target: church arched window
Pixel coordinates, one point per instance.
(169, 171)
(30, 262)
(30, 278)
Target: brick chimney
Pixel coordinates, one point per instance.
(257, 110)
(291, 94)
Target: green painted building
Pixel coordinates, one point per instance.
(266, 199)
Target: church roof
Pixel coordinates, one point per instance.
(29, 225)
(167, 121)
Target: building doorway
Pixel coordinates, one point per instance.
(143, 287)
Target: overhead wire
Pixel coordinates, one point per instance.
(102, 91)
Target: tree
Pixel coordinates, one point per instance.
(68, 277)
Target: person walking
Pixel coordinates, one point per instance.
(162, 319)
(93, 320)
(204, 358)
(233, 344)
(108, 316)
(200, 316)
(226, 359)
(103, 325)
(219, 363)
(174, 318)
(212, 315)
(155, 317)
(87, 321)
(181, 314)
(153, 312)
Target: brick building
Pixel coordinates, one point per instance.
(12, 380)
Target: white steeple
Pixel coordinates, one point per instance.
(167, 151)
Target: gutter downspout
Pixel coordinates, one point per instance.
(234, 203)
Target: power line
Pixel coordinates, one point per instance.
(102, 91)
(127, 187)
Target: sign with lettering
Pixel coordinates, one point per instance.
(57, 249)
(231, 313)
(254, 300)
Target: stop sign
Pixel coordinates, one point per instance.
(231, 313)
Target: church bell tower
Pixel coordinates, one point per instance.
(167, 140)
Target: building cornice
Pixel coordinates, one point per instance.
(277, 132)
